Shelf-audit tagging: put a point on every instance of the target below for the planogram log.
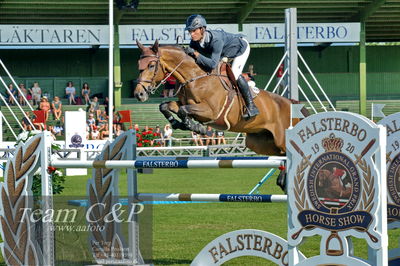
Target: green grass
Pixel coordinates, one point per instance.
(180, 231)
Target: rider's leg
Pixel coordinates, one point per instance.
(237, 67)
(245, 91)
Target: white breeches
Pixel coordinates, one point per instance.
(240, 61)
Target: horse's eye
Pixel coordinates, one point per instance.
(151, 66)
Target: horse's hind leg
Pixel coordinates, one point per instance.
(166, 108)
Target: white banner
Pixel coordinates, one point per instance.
(167, 34)
(53, 34)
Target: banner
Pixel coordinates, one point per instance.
(167, 34)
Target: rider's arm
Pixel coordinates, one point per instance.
(213, 61)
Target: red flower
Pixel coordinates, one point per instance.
(140, 144)
(144, 133)
(155, 134)
(51, 169)
(146, 141)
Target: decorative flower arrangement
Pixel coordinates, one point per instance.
(57, 177)
(146, 138)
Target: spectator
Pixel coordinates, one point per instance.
(91, 122)
(86, 93)
(70, 92)
(158, 141)
(167, 135)
(251, 72)
(102, 120)
(58, 130)
(169, 87)
(118, 130)
(95, 106)
(56, 106)
(281, 85)
(36, 92)
(136, 128)
(23, 92)
(220, 137)
(45, 106)
(25, 122)
(197, 139)
(210, 135)
(95, 134)
(105, 103)
(11, 94)
(105, 133)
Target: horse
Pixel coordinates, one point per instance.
(204, 98)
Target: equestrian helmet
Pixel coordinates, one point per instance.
(195, 21)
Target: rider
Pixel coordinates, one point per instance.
(218, 44)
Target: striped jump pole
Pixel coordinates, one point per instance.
(211, 197)
(137, 164)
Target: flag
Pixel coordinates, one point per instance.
(377, 110)
(296, 110)
(125, 117)
(40, 116)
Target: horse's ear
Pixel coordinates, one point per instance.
(155, 46)
(140, 46)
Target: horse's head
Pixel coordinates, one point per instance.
(150, 69)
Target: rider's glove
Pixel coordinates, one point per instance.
(189, 51)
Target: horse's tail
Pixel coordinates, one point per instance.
(303, 110)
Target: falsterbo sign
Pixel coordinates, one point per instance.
(147, 34)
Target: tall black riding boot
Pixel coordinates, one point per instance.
(245, 91)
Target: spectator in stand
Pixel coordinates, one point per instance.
(45, 106)
(95, 106)
(58, 130)
(105, 133)
(251, 72)
(11, 92)
(25, 122)
(86, 93)
(118, 130)
(105, 103)
(36, 93)
(70, 92)
(281, 86)
(102, 120)
(95, 134)
(158, 141)
(220, 137)
(23, 92)
(197, 139)
(91, 122)
(38, 126)
(210, 135)
(56, 106)
(167, 135)
(169, 87)
(136, 128)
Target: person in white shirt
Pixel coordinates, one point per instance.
(36, 92)
(167, 135)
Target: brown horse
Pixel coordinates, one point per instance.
(203, 97)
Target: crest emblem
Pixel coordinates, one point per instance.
(76, 141)
(333, 183)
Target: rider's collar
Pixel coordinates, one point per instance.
(205, 39)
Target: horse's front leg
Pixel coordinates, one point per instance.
(200, 110)
(166, 108)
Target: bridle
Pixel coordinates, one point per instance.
(152, 58)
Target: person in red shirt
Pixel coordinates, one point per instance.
(169, 87)
(281, 85)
